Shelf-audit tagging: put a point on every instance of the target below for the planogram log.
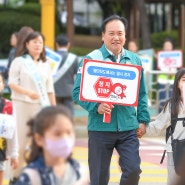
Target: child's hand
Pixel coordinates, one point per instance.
(139, 133)
(141, 130)
(14, 163)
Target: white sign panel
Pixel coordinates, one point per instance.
(169, 59)
(7, 126)
(54, 59)
(146, 57)
(110, 82)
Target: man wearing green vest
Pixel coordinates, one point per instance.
(64, 77)
(126, 122)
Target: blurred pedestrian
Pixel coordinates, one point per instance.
(8, 133)
(165, 81)
(133, 45)
(50, 160)
(120, 133)
(13, 43)
(64, 77)
(22, 35)
(174, 107)
(31, 83)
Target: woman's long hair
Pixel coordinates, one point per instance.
(22, 35)
(176, 98)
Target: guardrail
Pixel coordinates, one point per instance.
(152, 83)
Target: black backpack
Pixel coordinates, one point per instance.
(170, 130)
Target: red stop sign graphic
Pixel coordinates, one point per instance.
(167, 61)
(103, 86)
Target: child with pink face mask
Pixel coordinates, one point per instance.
(50, 159)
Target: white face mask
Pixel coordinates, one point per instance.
(60, 148)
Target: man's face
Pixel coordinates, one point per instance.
(114, 36)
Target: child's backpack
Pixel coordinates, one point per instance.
(5, 108)
(169, 131)
(35, 177)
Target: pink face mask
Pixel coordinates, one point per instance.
(60, 148)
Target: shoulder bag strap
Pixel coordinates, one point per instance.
(33, 175)
(2, 104)
(40, 86)
(174, 119)
(170, 129)
(97, 55)
(63, 69)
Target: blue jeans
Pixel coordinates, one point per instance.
(101, 146)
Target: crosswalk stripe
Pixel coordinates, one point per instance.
(152, 179)
(5, 182)
(157, 171)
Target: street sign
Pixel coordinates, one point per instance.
(169, 59)
(110, 82)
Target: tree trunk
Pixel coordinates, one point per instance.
(107, 7)
(70, 25)
(144, 24)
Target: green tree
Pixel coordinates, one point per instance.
(122, 7)
(144, 23)
(16, 3)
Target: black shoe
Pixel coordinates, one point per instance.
(13, 181)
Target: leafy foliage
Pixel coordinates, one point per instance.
(12, 19)
(80, 51)
(158, 38)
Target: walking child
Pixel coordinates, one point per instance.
(8, 133)
(50, 161)
(176, 106)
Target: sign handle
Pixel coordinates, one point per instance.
(107, 117)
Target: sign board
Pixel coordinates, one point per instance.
(110, 82)
(54, 59)
(169, 59)
(146, 57)
(7, 126)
